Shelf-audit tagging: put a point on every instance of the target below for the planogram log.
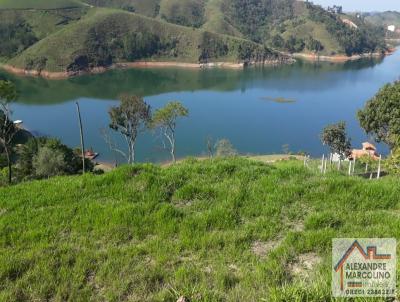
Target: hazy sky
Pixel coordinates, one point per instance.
(362, 5)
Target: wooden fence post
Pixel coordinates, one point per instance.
(350, 167)
(379, 168)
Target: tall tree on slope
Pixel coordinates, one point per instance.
(130, 118)
(7, 127)
(165, 119)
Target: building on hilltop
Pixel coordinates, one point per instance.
(368, 149)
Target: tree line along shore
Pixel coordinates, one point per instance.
(288, 59)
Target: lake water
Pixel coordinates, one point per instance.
(235, 104)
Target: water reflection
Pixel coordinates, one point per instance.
(146, 82)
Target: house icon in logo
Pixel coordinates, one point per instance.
(369, 254)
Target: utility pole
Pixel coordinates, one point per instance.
(82, 139)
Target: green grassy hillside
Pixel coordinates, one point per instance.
(384, 18)
(42, 22)
(183, 12)
(39, 4)
(53, 36)
(295, 26)
(222, 230)
(106, 36)
(216, 19)
(20, 29)
(146, 7)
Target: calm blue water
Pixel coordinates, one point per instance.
(222, 104)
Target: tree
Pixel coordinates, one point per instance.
(381, 115)
(277, 41)
(335, 137)
(286, 149)
(24, 167)
(370, 164)
(165, 119)
(130, 118)
(210, 146)
(37, 63)
(392, 164)
(224, 148)
(15, 36)
(26, 154)
(48, 162)
(7, 127)
(314, 45)
(293, 44)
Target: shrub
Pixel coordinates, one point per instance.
(3, 177)
(48, 162)
(25, 168)
(392, 164)
(224, 148)
(3, 160)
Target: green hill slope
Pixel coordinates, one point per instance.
(55, 37)
(148, 8)
(42, 22)
(39, 4)
(21, 28)
(296, 26)
(106, 36)
(384, 18)
(222, 230)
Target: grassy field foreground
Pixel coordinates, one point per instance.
(221, 230)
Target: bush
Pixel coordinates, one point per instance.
(293, 44)
(38, 63)
(3, 177)
(3, 160)
(278, 41)
(28, 161)
(314, 45)
(392, 164)
(48, 162)
(224, 148)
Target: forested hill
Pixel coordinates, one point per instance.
(73, 35)
(385, 19)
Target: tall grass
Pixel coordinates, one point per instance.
(146, 233)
